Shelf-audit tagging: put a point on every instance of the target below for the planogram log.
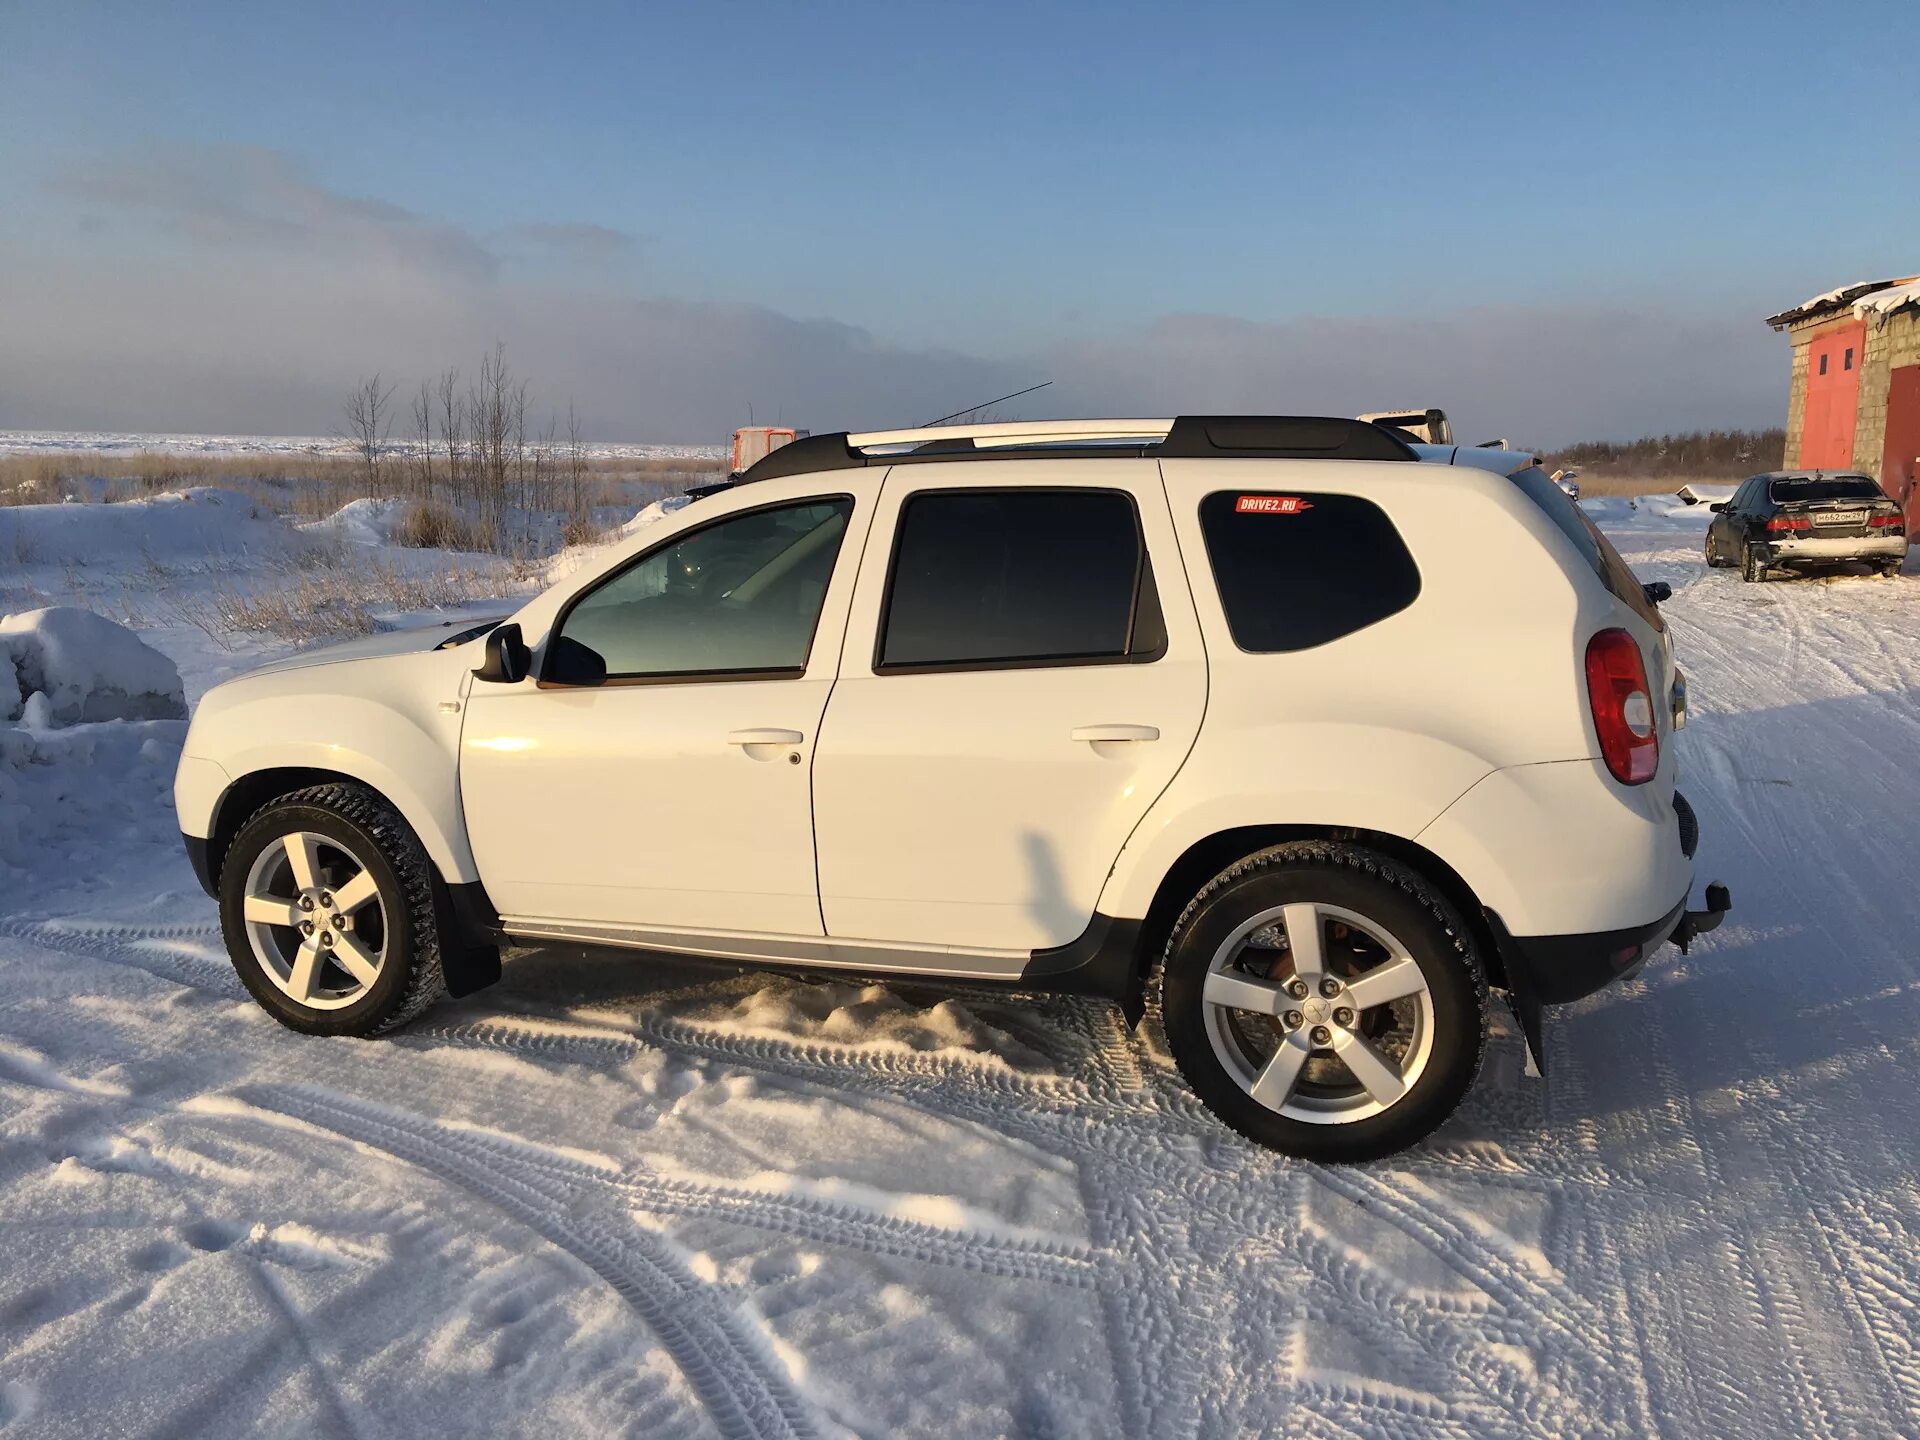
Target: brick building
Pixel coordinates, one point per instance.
(1855, 398)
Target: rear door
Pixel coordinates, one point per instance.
(1022, 677)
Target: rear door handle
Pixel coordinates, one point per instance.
(765, 736)
(1116, 732)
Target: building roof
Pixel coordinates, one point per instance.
(1866, 297)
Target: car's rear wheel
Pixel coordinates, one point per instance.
(1751, 567)
(1323, 999)
(326, 901)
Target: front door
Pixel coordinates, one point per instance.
(1022, 677)
(673, 796)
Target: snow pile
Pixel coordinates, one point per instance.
(575, 556)
(64, 666)
(364, 522)
(1885, 302)
(200, 524)
(76, 805)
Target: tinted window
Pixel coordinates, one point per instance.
(740, 595)
(986, 577)
(1295, 571)
(1827, 487)
(1594, 547)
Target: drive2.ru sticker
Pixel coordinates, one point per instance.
(1270, 505)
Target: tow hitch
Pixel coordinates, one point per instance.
(1699, 922)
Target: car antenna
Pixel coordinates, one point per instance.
(983, 405)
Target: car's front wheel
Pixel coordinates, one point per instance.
(327, 905)
(1325, 1000)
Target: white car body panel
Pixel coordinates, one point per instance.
(628, 804)
(957, 806)
(392, 722)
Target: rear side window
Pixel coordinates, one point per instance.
(1827, 487)
(1295, 571)
(988, 579)
(1594, 548)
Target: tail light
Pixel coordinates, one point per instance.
(1789, 522)
(1622, 707)
(1895, 521)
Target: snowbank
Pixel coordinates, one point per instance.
(574, 556)
(76, 804)
(192, 525)
(364, 522)
(64, 665)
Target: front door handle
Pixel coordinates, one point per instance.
(764, 736)
(1098, 733)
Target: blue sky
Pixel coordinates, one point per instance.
(860, 209)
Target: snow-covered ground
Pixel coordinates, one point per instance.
(610, 1197)
(97, 442)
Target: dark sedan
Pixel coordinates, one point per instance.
(1807, 520)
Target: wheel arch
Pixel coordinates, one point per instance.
(245, 796)
(1207, 857)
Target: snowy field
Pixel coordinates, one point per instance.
(621, 1198)
(106, 443)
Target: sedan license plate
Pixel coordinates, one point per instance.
(1840, 517)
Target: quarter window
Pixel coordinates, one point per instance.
(1295, 571)
(739, 597)
(987, 579)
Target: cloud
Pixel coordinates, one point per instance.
(1538, 374)
(575, 240)
(285, 291)
(250, 197)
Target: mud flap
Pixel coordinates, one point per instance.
(470, 938)
(1528, 1012)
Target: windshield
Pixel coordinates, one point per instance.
(1826, 487)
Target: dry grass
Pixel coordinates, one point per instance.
(428, 525)
(339, 601)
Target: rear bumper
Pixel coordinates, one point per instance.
(1830, 549)
(1558, 969)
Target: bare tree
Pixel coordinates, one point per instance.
(576, 470)
(423, 436)
(368, 423)
(453, 415)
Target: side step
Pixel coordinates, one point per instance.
(1699, 922)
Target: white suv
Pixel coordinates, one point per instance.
(1334, 740)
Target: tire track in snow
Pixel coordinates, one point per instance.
(729, 1364)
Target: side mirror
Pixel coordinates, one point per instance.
(508, 658)
(571, 663)
(1657, 591)
(1718, 507)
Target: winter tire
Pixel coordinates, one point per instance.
(1751, 570)
(1326, 1001)
(327, 905)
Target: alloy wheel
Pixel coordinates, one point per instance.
(315, 920)
(1319, 1013)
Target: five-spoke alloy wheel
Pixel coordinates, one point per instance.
(327, 901)
(1325, 1000)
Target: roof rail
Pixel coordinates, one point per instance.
(1273, 437)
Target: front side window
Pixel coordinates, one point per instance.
(741, 596)
(1299, 570)
(986, 579)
